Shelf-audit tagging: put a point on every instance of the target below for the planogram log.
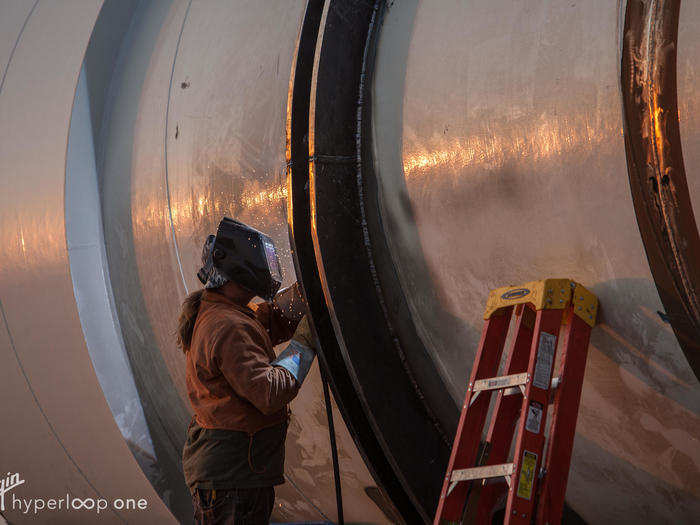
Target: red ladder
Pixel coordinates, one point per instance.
(541, 308)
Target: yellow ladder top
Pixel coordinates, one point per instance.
(547, 294)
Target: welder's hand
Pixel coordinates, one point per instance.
(291, 303)
(303, 334)
(301, 352)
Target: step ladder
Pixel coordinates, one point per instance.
(535, 479)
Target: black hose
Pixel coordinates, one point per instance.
(334, 447)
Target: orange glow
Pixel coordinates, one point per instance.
(657, 120)
(264, 198)
(500, 144)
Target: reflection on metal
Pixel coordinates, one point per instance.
(90, 275)
(656, 169)
(58, 431)
(164, 183)
(421, 143)
(503, 170)
(507, 143)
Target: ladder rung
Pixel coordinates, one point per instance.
(488, 471)
(496, 383)
(518, 389)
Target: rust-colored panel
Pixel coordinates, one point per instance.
(655, 164)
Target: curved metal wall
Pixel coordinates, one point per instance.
(453, 147)
(495, 153)
(186, 105)
(58, 432)
(660, 191)
(196, 130)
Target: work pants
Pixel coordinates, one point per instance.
(234, 506)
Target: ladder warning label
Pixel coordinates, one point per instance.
(534, 418)
(527, 475)
(545, 359)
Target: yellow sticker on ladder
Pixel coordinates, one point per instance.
(527, 475)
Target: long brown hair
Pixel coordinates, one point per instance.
(188, 316)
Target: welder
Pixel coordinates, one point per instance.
(238, 388)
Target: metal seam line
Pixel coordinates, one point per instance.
(12, 53)
(365, 76)
(306, 497)
(41, 410)
(165, 148)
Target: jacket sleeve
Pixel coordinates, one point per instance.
(278, 326)
(240, 355)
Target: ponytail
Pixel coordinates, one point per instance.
(188, 316)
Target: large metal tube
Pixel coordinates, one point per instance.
(58, 431)
(494, 154)
(435, 150)
(184, 104)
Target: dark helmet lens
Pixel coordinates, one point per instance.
(248, 257)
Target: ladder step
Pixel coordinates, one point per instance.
(497, 383)
(540, 443)
(517, 389)
(488, 471)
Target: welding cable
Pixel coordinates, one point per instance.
(334, 447)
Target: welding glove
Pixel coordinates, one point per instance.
(291, 303)
(300, 353)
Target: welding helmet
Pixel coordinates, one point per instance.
(244, 255)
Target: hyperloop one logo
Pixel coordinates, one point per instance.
(27, 506)
(515, 294)
(9, 482)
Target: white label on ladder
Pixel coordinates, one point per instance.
(534, 418)
(545, 358)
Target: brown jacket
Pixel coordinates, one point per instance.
(230, 381)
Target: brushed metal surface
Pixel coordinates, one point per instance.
(91, 284)
(58, 432)
(197, 131)
(498, 139)
(15, 15)
(219, 71)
